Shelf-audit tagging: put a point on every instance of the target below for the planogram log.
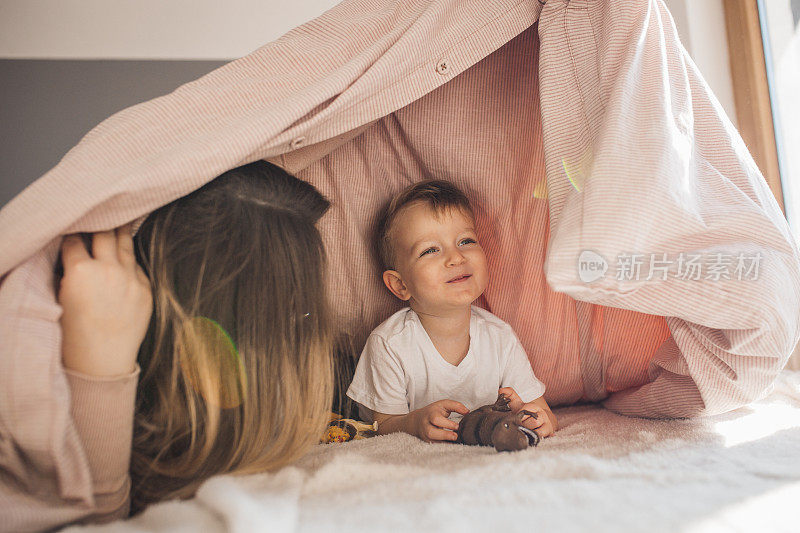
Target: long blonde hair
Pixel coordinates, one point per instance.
(237, 363)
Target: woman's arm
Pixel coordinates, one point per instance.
(103, 410)
(32, 500)
(107, 306)
(60, 470)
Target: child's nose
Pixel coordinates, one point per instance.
(455, 257)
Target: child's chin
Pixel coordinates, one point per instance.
(467, 300)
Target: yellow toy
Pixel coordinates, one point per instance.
(345, 429)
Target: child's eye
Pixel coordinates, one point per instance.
(468, 240)
(428, 251)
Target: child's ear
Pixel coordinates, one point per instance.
(393, 281)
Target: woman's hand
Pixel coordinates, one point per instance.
(106, 304)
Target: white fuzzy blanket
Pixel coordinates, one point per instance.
(601, 472)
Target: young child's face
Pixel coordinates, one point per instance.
(440, 264)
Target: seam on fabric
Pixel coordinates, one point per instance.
(597, 53)
(575, 68)
(602, 349)
(580, 356)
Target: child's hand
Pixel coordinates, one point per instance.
(545, 423)
(515, 402)
(431, 424)
(106, 304)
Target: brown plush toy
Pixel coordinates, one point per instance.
(495, 425)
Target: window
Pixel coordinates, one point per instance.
(780, 31)
(764, 47)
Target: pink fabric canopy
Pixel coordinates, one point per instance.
(582, 131)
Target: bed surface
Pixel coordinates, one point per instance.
(601, 472)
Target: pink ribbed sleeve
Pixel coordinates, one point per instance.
(102, 411)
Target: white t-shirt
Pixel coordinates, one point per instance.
(400, 369)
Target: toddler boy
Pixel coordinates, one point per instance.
(440, 355)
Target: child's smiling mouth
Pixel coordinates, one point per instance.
(460, 278)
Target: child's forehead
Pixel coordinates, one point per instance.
(421, 211)
(421, 217)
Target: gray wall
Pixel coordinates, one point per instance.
(46, 107)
